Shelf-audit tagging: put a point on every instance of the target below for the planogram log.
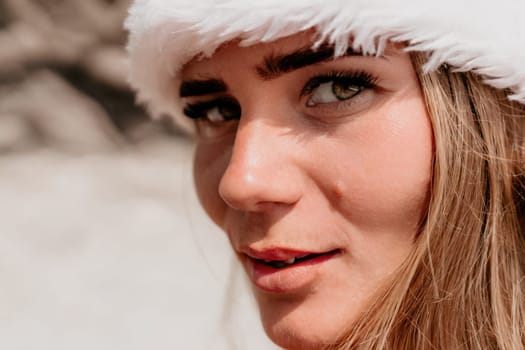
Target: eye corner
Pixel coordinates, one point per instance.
(213, 113)
(196, 110)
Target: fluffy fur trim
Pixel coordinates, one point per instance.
(483, 36)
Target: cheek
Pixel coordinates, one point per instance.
(387, 170)
(209, 165)
(399, 167)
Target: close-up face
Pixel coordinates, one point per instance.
(317, 169)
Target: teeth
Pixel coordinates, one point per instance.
(288, 261)
(280, 263)
(284, 263)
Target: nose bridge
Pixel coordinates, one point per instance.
(253, 144)
(260, 169)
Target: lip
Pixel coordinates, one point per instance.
(287, 279)
(275, 253)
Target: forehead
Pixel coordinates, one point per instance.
(287, 53)
(231, 54)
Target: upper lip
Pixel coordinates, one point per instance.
(277, 254)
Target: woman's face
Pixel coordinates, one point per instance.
(317, 169)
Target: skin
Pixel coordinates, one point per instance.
(351, 175)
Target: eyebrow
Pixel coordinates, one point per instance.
(274, 66)
(202, 87)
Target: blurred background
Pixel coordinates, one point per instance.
(102, 242)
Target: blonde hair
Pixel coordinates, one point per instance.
(463, 285)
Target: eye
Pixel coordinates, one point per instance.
(336, 87)
(215, 111)
(333, 92)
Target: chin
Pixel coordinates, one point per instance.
(301, 323)
(291, 334)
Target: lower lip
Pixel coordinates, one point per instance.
(287, 279)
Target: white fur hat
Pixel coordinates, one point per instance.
(483, 36)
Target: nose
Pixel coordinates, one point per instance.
(261, 172)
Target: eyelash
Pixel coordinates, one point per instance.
(358, 78)
(361, 79)
(199, 110)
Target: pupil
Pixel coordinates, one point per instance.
(230, 111)
(344, 91)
